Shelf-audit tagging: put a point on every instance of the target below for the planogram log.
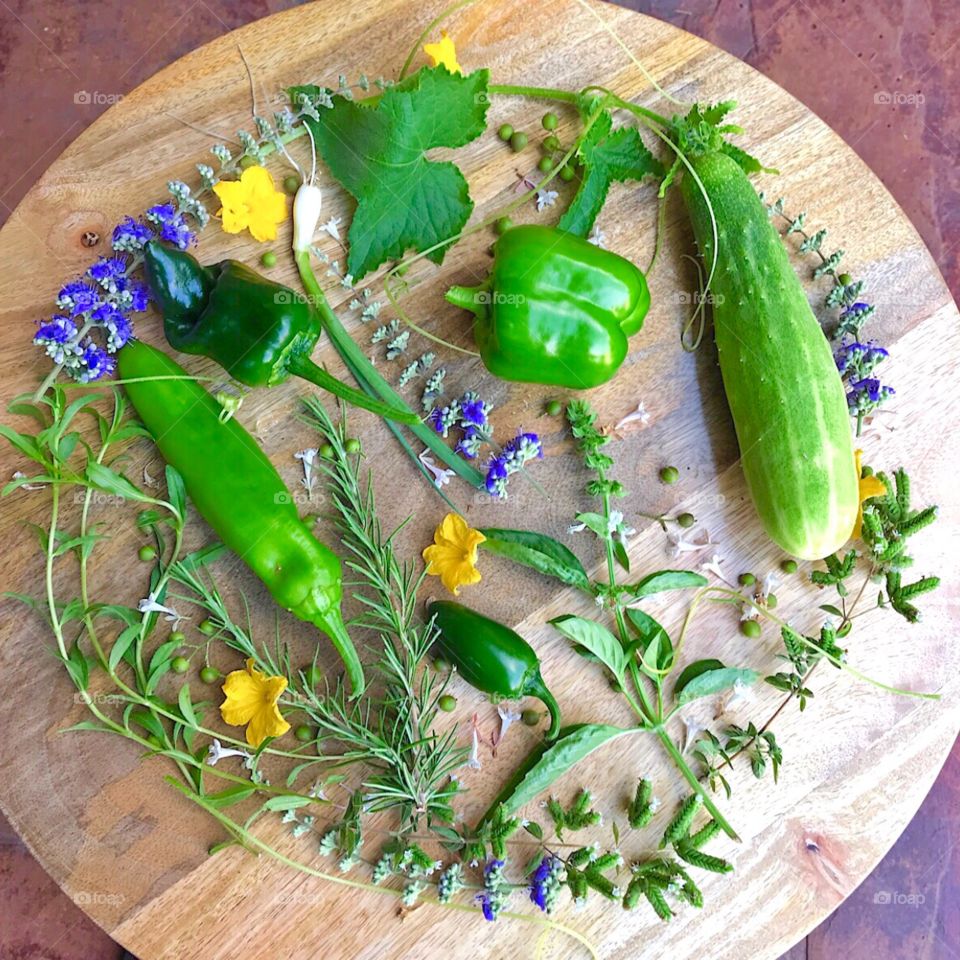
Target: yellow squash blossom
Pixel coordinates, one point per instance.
(252, 203)
(252, 700)
(869, 487)
(453, 554)
(444, 52)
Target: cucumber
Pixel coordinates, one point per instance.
(781, 382)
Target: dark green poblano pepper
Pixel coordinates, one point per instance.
(490, 656)
(556, 309)
(259, 331)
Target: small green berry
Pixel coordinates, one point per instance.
(352, 445)
(750, 628)
(550, 121)
(505, 132)
(686, 520)
(291, 184)
(326, 451)
(177, 636)
(545, 165)
(447, 703)
(207, 627)
(247, 162)
(518, 141)
(503, 225)
(553, 408)
(530, 717)
(303, 733)
(313, 675)
(788, 566)
(567, 173)
(147, 553)
(772, 601)
(669, 475)
(209, 674)
(179, 664)
(746, 579)
(845, 279)
(551, 143)
(441, 665)
(268, 258)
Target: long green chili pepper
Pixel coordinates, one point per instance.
(238, 491)
(259, 331)
(490, 656)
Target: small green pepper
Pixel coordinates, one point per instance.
(556, 309)
(490, 656)
(259, 331)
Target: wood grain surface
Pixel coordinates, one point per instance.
(858, 762)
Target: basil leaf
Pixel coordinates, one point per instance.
(711, 680)
(549, 761)
(542, 553)
(595, 639)
(664, 580)
(653, 641)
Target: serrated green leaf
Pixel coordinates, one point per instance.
(607, 156)
(653, 641)
(536, 550)
(377, 150)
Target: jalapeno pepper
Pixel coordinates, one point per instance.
(259, 331)
(490, 656)
(237, 490)
(556, 309)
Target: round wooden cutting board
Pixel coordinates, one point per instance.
(857, 763)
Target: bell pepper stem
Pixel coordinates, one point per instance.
(468, 298)
(535, 687)
(333, 626)
(305, 368)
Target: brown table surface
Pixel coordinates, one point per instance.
(883, 73)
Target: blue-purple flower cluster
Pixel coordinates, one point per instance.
(856, 362)
(106, 296)
(471, 415)
(495, 891)
(516, 453)
(547, 882)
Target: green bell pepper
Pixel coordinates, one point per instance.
(556, 309)
(490, 656)
(259, 331)
(237, 490)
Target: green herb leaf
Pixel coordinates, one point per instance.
(704, 678)
(292, 802)
(653, 641)
(377, 152)
(229, 796)
(536, 550)
(607, 155)
(663, 580)
(103, 478)
(595, 639)
(548, 762)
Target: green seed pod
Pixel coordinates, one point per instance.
(746, 579)
(545, 165)
(303, 733)
(147, 553)
(179, 664)
(291, 184)
(567, 173)
(447, 703)
(530, 717)
(352, 445)
(750, 628)
(669, 475)
(177, 636)
(553, 408)
(503, 225)
(845, 279)
(268, 258)
(551, 143)
(550, 121)
(326, 451)
(505, 132)
(788, 566)
(686, 520)
(207, 627)
(441, 665)
(209, 674)
(518, 141)
(772, 601)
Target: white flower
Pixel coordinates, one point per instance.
(316, 791)
(740, 694)
(597, 238)
(713, 566)
(749, 611)
(330, 227)
(638, 417)
(576, 527)
(691, 730)
(308, 457)
(150, 605)
(655, 804)
(546, 198)
(508, 717)
(682, 545)
(770, 583)
(614, 520)
(216, 752)
(473, 762)
(148, 481)
(441, 477)
(19, 475)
